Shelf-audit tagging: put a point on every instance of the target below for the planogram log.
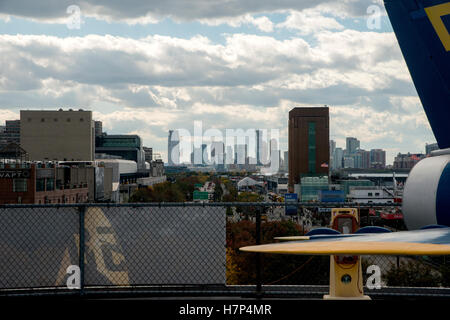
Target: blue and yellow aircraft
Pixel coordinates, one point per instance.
(422, 28)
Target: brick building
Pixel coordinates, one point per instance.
(309, 136)
(37, 183)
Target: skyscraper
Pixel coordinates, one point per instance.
(352, 144)
(377, 158)
(338, 158)
(258, 146)
(309, 150)
(173, 154)
(332, 150)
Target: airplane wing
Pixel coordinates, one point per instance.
(417, 242)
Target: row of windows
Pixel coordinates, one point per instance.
(56, 119)
(66, 199)
(311, 147)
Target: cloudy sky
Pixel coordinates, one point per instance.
(145, 67)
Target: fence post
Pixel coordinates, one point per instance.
(258, 255)
(82, 243)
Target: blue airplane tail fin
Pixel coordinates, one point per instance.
(422, 28)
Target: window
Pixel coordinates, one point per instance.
(369, 194)
(50, 184)
(40, 185)
(20, 185)
(311, 147)
(377, 193)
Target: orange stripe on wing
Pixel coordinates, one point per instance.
(356, 248)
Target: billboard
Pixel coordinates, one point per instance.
(331, 196)
(290, 210)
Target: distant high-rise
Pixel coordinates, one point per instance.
(332, 150)
(258, 146)
(362, 159)
(309, 150)
(377, 158)
(286, 161)
(10, 133)
(98, 128)
(205, 157)
(148, 154)
(352, 144)
(240, 154)
(217, 152)
(338, 158)
(173, 154)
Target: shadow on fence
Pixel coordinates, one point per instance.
(180, 249)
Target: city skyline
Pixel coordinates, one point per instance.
(156, 68)
(251, 153)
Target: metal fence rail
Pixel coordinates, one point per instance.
(178, 249)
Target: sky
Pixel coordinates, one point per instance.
(147, 67)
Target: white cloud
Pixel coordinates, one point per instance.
(309, 21)
(157, 83)
(262, 23)
(137, 11)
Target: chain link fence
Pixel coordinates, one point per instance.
(181, 248)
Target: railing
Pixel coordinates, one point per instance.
(180, 249)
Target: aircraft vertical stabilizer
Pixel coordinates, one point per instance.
(422, 29)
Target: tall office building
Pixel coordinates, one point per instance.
(286, 161)
(57, 135)
(332, 150)
(240, 154)
(173, 152)
(148, 154)
(275, 155)
(362, 159)
(377, 158)
(217, 152)
(205, 158)
(10, 133)
(309, 135)
(352, 144)
(199, 155)
(98, 128)
(338, 158)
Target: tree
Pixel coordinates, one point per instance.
(248, 211)
(412, 274)
(276, 269)
(161, 192)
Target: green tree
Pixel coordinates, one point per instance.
(249, 211)
(161, 192)
(412, 274)
(276, 268)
